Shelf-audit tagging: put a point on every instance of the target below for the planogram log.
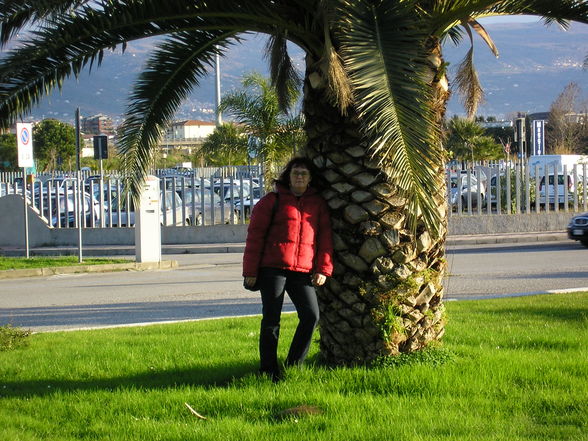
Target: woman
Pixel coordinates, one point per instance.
(289, 248)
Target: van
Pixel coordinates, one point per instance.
(553, 163)
(561, 166)
(549, 190)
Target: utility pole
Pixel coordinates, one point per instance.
(219, 117)
(78, 150)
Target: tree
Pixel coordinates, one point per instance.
(257, 109)
(227, 145)
(375, 94)
(54, 143)
(468, 142)
(565, 128)
(8, 152)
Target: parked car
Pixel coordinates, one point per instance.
(126, 216)
(549, 190)
(461, 190)
(578, 229)
(199, 217)
(480, 176)
(6, 188)
(64, 207)
(249, 202)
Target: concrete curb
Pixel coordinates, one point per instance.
(51, 271)
(239, 247)
(475, 239)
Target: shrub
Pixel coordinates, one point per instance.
(12, 338)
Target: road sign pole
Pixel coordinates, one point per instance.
(80, 208)
(24, 145)
(26, 211)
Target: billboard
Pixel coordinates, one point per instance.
(539, 137)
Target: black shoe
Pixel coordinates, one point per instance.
(275, 376)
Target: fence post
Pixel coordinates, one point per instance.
(508, 192)
(527, 188)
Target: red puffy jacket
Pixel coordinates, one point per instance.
(299, 238)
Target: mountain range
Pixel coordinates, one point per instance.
(536, 62)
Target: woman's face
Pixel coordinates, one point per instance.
(299, 179)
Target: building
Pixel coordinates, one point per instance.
(189, 129)
(186, 135)
(97, 125)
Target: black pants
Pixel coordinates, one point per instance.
(299, 287)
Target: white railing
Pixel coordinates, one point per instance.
(207, 196)
(186, 199)
(517, 187)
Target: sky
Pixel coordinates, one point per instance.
(510, 19)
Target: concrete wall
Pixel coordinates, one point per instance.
(509, 223)
(12, 228)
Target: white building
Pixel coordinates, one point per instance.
(189, 129)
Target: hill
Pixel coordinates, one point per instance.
(535, 64)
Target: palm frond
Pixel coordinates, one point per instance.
(383, 47)
(483, 34)
(560, 11)
(283, 74)
(169, 76)
(67, 43)
(256, 106)
(17, 15)
(467, 81)
(339, 86)
(339, 83)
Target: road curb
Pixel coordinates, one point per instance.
(51, 271)
(554, 236)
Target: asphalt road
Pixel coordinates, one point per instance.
(483, 271)
(210, 285)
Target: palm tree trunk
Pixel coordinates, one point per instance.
(385, 296)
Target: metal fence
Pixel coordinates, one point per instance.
(226, 195)
(516, 187)
(203, 197)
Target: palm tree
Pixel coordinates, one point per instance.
(375, 93)
(257, 108)
(227, 145)
(467, 140)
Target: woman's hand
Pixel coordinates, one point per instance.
(319, 279)
(250, 281)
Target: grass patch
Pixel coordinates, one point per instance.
(12, 338)
(510, 369)
(10, 263)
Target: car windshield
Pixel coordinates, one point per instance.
(560, 179)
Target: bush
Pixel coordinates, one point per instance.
(12, 338)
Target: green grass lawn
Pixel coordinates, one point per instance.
(518, 370)
(9, 263)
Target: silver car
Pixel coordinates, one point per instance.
(171, 212)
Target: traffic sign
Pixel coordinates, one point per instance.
(24, 137)
(101, 147)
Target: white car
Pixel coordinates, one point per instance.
(249, 202)
(460, 190)
(204, 216)
(547, 192)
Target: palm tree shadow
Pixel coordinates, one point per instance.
(209, 377)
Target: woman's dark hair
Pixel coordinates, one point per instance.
(316, 180)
